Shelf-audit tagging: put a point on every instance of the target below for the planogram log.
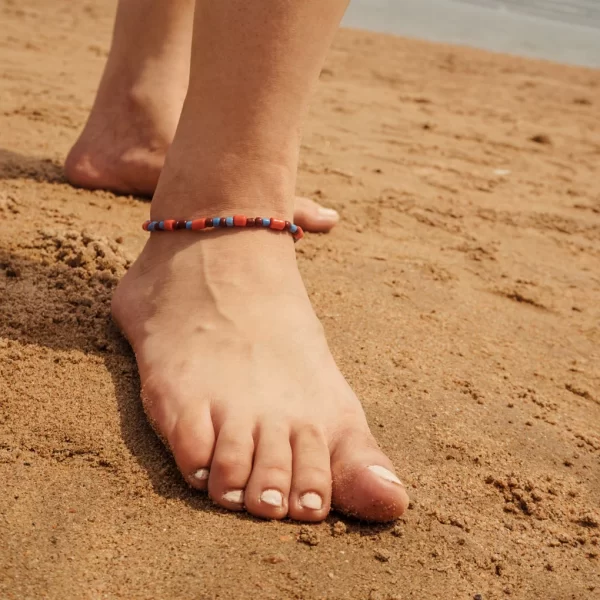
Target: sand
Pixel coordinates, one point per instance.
(460, 294)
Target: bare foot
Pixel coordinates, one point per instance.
(123, 146)
(238, 380)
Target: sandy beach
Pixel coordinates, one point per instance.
(461, 298)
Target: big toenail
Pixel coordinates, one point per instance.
(201, 474)
(234, 496)
(272, 497)
(311, 500)
(328, 213)
(384, 474)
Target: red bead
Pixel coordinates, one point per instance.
(145, 225)
(299, 234)
(223, 221)
(180, 225)
(288, 225)
(169, 225)
(258, 221)
(209, 222)
(198, 224)
(239, 220)
(277, 224)
(250, 222)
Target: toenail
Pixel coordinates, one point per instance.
(328, 213)
(311, 500)
(234, 496)
(272, 497)
(384, 474)
(201, 474)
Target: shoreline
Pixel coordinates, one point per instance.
(482, 27)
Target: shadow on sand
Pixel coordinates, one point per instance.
(18, 166)
(42, 305)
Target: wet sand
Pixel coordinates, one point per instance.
(460, 294)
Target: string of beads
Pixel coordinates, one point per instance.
(235, 221)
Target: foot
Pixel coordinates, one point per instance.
(238, 380)
(123, 147)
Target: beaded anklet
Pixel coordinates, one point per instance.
(235, 221)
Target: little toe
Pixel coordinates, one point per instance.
(269, 485)
(314, 217)
(364, 482)
(310, 495)
(191, 441)
(231, 465)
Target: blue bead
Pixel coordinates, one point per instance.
(229, 221)
(188, 224)
(161, 225)
(151, 225)
(293, 228)
(216, 221)
(266, 222)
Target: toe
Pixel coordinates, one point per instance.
(191, 441)
(364, 482)
(310, 495)
(269, 485)
(231, 465)
(314, 217)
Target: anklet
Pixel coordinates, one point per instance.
(235, 221)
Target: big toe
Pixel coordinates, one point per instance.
(364, 482)
(314, 217)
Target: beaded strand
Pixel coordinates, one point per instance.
(235, 221)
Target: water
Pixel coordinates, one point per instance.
(566, 31)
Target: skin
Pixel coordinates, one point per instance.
(130, 128)
(236, 374)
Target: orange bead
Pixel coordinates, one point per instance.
(145, 225)
(299, 234)
(170, 225)
(277, 224)
(198, 224)
(239, 220)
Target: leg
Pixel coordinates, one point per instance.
(123, 145)
(139, 100)
(236, 373)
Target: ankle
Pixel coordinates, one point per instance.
(205, 184)
(145, 92)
